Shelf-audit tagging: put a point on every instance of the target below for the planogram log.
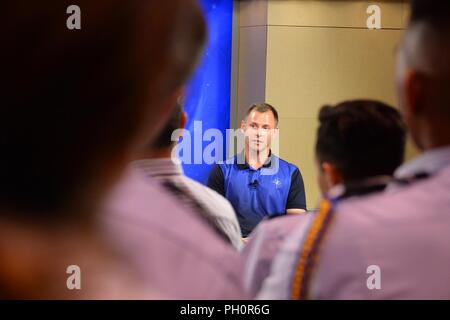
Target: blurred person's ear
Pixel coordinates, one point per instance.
(183, 120)
(321, 177)
(415, 92)
(182, 124)
(414, 103)
(165, 113)
(332, 174)
(275, 133)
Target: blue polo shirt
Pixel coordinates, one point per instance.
(258, 193)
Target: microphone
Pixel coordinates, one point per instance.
(253, 184)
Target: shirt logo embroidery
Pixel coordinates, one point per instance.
(277, 183)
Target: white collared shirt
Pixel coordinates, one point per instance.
(430, 162)
(218, 207)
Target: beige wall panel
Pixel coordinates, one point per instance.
(310, 67)
(297, 138)
(411, 150)
(252, 67)
(333, 13)
(405, 15)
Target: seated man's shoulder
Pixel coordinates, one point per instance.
(286, 164)
(276, 158)
(229, 161)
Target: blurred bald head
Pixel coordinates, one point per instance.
(423, 73)
(77, 103)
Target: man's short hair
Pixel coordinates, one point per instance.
(262, 108)
(362, 138)
(72, 100)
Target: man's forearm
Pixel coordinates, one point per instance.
(295, 211)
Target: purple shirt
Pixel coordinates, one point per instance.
(174, 251)
(264, 244)
(404, 232)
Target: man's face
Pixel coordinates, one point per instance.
(258, 129)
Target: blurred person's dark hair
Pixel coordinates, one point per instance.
(433, 12)
(76, 103)
(164, 140)
(362, 138)
(429, 28)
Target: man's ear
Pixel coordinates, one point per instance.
(183, 120)
(332, 174)
(243, 125)
(415, 88)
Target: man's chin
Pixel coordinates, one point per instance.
(258, 149)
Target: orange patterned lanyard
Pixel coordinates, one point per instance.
(309, 253)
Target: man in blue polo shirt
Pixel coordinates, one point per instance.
(256, 182)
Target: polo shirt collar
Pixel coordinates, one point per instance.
(243, 165)
(428, 163)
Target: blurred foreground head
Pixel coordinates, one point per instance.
(357, 141)
(76, 104)
(423, 73)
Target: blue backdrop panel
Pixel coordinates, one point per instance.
(208, 94)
